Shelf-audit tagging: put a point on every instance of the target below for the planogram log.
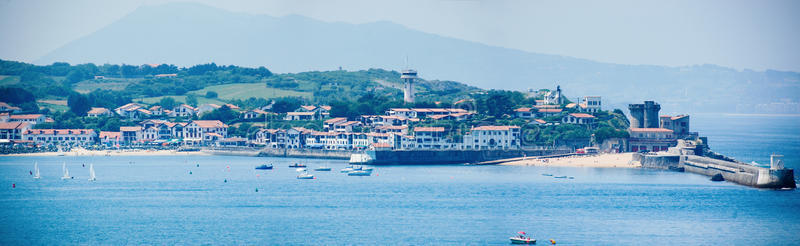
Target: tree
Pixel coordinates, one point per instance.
(16, 95)
(167, 102)
(78, 104)
(211, 94)
(75, 76)
(285, 104)
(224, 114)
(191, 100)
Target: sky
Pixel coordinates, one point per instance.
(740, 34)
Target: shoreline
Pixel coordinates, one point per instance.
(620, 160)
(84, 152)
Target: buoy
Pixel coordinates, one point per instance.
(553, 242)
(13, 185)
(256, 189)
(226, 180)
(198, 165)
(190, 172)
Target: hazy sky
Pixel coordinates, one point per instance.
(740, 34)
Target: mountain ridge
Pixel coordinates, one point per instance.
(186, 34)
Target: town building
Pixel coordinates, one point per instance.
(432, 138)
(67, 137)
(300, 116)
(525, 113)
(156, 110)
(678, 124)
(493, 137)
(579, 118)
(29, 118)
(4, 107)
(651, 139)
(554, 97)
(13, 130)
(591, 104)
(201, 132)
(183, 110)
(111, 139)
(402, 130)
(99, 112)
(130, 111)
(330, 124)
(347, 126)
(130, 134)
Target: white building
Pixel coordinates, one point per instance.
(591, 104)
(99, 112)
(432, 138)
(578, 118)
(29, 118)
(203, 131)
(13, 130)
(72, 137)
(493, 137)
(183, 110)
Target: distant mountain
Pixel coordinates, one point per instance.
(187, 34)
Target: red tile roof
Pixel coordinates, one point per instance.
(26, 116)
(110, 134)
(650, 130)
(59, 131)
(495, 128)
(13, 125)
(130, 128)
(582, 115)
(209, 123)
(550, 110)
(335, 120)
(428, 129)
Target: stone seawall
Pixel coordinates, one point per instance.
(665, 162)
(307, 153)
(435, 157)
(741, 173)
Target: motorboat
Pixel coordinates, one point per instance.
(359, 158)
(297, 165)
(547, 174)
(302, 169)
(264, 167)
(522, 238)
(323, 168)
(305, 175)
(359, 173)
(347, 169)
(560, 177)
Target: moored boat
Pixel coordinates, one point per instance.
(305, 175)
(359, 173)
(297, 165)
(323, 168)
(521, 238)
(264, 167)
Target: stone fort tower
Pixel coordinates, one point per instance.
(644, 115)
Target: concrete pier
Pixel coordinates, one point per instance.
(740, 173)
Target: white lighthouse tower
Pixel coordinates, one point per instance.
(408, 76)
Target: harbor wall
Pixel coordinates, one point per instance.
(433, 157)
(665, 162)
(306, 153)
(741, 173)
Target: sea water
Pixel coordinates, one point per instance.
(213, 200)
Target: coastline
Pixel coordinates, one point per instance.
(621, 160)
(84, 152)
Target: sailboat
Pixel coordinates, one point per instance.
(91, 172)
(36, 170)
(66, 171)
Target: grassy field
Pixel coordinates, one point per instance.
(244, 91)
(87, 86)
(53, 105)
(8, 80)
(179, 99)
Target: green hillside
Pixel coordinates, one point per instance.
(248, 90)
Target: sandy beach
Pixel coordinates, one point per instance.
(622, 160)
(84, 152)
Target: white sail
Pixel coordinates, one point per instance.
(91, 172)
(36, 170)
(66, 171)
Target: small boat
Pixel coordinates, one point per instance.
(347, 169)
(359, 173)
(297, 165)
(302, 169)
(359, 158)
(36, 171)
(521, 238)
(305, 175)
(66, 171)
(717, 177)
(92, 177)
(264, 167)
(323, 168)
(560, 177)
(547, 174)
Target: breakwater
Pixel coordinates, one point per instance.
(740, 173)
(306, 153)
(432, 157)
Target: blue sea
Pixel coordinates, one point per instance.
(155, 200)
